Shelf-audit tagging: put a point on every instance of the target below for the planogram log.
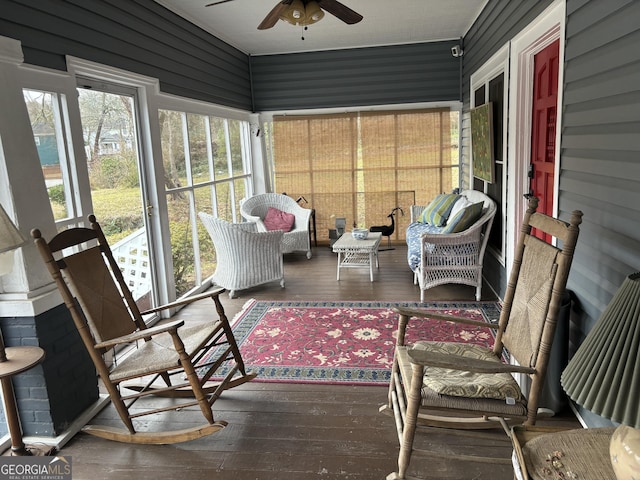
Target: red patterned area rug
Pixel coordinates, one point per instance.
(343, 342)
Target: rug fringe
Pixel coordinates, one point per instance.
(236, 318)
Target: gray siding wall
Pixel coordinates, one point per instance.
(600, 149)
(140, 36)
(424, 72)
(499, 22)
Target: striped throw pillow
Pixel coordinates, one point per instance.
(437, 212)
(464, 218)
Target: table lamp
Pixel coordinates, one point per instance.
(604, 375)
(13, 360)
(10, 240)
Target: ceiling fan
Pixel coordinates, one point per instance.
(304, 12)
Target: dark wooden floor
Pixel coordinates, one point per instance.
(290, 431)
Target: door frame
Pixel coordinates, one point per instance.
(149, 137)
(542, 32)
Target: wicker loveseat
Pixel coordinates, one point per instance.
(256, 208)
(438, 253)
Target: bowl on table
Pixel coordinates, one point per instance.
(360, 233)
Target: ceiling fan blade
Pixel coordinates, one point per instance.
(340, 11)
(217, 3)
(274, 15)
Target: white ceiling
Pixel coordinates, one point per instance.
(386, 22)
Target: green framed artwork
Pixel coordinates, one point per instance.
(482, 142)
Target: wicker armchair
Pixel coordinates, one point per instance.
(454, 257)
(245, 257)
(254, 209)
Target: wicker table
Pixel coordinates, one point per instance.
(354, 253)
(540, 453)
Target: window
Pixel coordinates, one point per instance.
(103, 138)
(206, 168)
(488, 85)
(49, 132)
(360, 166)
(493, 92)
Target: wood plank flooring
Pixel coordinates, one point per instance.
(292, 431)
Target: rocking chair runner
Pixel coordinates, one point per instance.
(464, 386)
(106, 316)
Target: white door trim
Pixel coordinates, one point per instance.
(542, 32)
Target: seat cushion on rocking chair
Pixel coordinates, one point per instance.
(431, 398)
(160, 354)
(467, 384)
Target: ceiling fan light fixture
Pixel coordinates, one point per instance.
(313, 12)
(302, 14)
(295, 13)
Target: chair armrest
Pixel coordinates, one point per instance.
(255, 219)
(470, 235)
(457, 362)
(411, 312)
(185, 301)
(170, 327)
(303, 216)
(415, 211)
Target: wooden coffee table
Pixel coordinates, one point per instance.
(354, 253)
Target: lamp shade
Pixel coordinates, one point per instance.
(10, 236)
(604, 374)
(313, 13)
(10, 239)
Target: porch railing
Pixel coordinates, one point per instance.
(132, 255)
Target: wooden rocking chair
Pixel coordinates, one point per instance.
(465, 386)
(107, 317)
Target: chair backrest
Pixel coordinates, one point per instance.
(91, 283)
(255, 208)
(474, 196)
(485, 222)
(227, 237)
(535, 291)
(257, 205)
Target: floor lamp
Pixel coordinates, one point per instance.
(13, 360)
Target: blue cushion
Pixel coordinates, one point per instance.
(414, 231)
(437, 212)
(464, 218)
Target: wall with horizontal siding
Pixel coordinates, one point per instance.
(600, 149)
(423, 72)
(140, 36)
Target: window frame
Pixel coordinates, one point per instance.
(497, 65)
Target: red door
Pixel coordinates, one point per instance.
(543, 135)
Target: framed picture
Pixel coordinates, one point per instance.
(482, 142)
